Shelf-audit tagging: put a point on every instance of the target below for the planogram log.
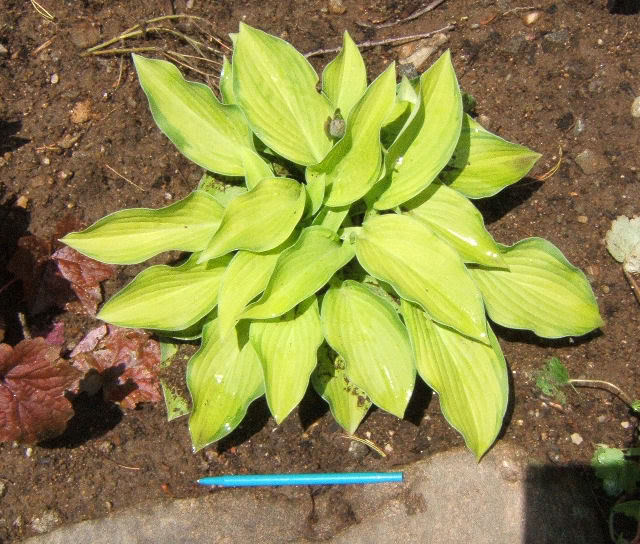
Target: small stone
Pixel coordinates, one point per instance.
(625, 424)
(484, 120)
(22, 202)
(28, 452)
(578, 128)
(559, 36)
(3, 488)
(532, 17)
(81, 112)
(388, 448)
(54, 79)
(602, 418)
(582, 219)
(358, 449)
(84, 34)
(336, 7)
(577, 439)
(65, 174)
(106, 447)
(46, 521)
(596, 86)
(425, 50)
(606, 289)
(591, 162)
(46, 161)
(635, 107)
(3, 51)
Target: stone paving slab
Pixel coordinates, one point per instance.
(446, 498)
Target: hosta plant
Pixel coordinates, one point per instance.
(347, 253)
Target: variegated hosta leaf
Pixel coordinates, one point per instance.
(276, 88)
(164, 297)
(541, 291)
(255, 168)
(259, 220)
(300, 271)
(134, 235)
(457, 221)
(207, 132)
(221, 192)
(347, 402)
(226, 82)
(353, 165)
(366, 331)
(469, 377)
(426, 144)
(287, 348)
(422, 268)
(223, 377)
(245, 278)
(484, 164)
(344, 79)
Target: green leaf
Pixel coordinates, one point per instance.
(344, 79)
(469, 377)
(226, 82)
(422, 268)
(301, 270)
(347, 402)
(259, 220)
(402, 112)
(221, 192)
(483, 164)
(224, 377)
(425, 146)
(276, 88)
(628, 508)
(331, 218)
(255, 167)
(245, 278)
(192, 332)
(134, 235)
(204, 130)
(367, 333)
(541, 291)
(167, 297)
(552, 378)
(177, 406)
(458, 222)
(354, 164)
(287, 348)
(315, 192)
(617, 473)
(635, 406)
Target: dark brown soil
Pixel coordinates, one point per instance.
(577, 67)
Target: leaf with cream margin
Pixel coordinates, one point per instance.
(167, 297)
(287, 348)
(483, 164)
(469, 377)
(245, 278)
(276, 88)
(347, 402)
(301, 270)
(205, 131)
(354, 164)
(367, 333)
(223, 377)
(258, 220)
(422, 268)
(135, 235)
(426, 144)
(541, 291)
(344, 79)
(457, 221)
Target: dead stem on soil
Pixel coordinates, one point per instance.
(631, 278)
(366, 442)
(433, 5)
(387, 41)
(554, 169)
(43, 12)
(121, 176)
(42, 47)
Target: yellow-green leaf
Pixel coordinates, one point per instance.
(170, 298)
(259, 220)
(205, 131)
(226, 82)
(134, 235)
(367, 333)
(224, 377)
(470, 377)
(422, 268)
(276, 88)
(541, 291)
(287, 348)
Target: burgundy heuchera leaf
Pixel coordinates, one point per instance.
(33, 379)
(85, 276)
(127, 360)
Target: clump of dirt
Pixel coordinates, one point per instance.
(76, 137)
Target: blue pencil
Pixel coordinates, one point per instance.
(253, 480)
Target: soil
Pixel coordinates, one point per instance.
(564, 83)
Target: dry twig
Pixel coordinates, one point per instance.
(411, 17)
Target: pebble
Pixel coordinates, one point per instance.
(559, 36)
(3, 50)
(578, 128)
(484, 120)
(606, 289)
(3, 488)
(46, 521)
(54, 79)
(28, 452)
(532, 17)
(425, 49)
(582, 219)
(591, 161)
(602, 418)
(84, 34)
(388, 448)
(106, 447)
(336, 7)
(358, 449)
(625, 424)
(635, 107)
(577, 439)
(81, 112)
